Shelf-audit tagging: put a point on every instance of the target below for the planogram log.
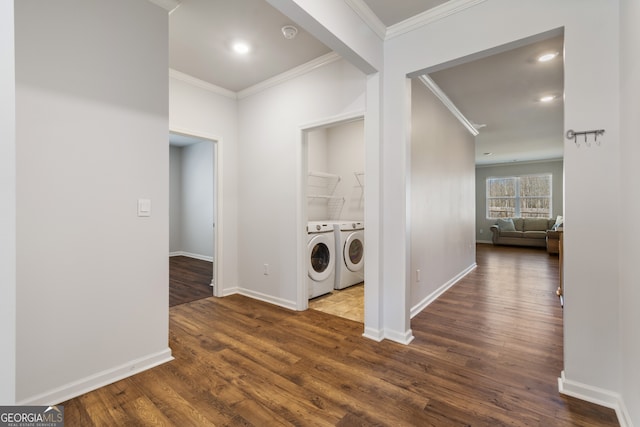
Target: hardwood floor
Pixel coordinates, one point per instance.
(487, 353)
(189, 279)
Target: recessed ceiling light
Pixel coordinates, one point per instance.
(547, 56)
(487, 154)
(241, 47)
(547, 98)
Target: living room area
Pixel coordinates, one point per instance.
(534, 210)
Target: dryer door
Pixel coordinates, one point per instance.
(320, 258)
(354, 251)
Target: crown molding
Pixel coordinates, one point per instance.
(429, 16)
(518, 163)
(366, 14)
(168, 5)
(288, 75)
(175, 74)
(433, 87)
(259, 87)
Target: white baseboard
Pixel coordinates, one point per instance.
(192, 255)
(101, 379)
(230, 291)
(400, 337)
(373, 334)
(442, 289)
(291, 305)
(599, 396)
(488, 242)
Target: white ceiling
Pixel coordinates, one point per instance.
(393, 12)
(499, 91)
(201, 33)
(503, 92)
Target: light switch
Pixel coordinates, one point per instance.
(144, 207)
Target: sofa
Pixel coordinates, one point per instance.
(522, 231)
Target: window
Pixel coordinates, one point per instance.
(527, 196)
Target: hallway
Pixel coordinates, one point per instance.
(486, 353)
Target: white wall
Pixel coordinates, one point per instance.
(337, 150)
(7, 206)
(555, 168)
(442, 196)
(197, 199)
(175, 199)
(271, 169)
(630, 208)
(345, 151)
(92, 276)
(199, 109)
(592, 343)
(337, 25)
(317, 208)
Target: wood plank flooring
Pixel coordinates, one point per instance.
(189, 279)
(487, 353)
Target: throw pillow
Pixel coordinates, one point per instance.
(506, 224)
(559, 222)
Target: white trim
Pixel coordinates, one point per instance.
(527, 162)
(366, 14)
(433, 87)
(259, 87)
(101, 379)
(291, 305)
(400, 337)
(230, 291)
(178, 75)
(302, 238)
(339, 119)
(218, 171)
(599, 396)
(432, 15)
(190, 255)
(488, 242)
(168, 5)
(415, 310)
(288, 75)
(373, 334)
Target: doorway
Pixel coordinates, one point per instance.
(334, 177)
(511, 99)
(192, 217)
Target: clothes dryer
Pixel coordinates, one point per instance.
(349, 237)
(321, 258)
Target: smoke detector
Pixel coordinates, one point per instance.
(289, 32)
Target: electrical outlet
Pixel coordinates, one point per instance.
(265, 270)
(417, 275)
(481, 231)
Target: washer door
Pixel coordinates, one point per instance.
(354, 251)
(320, 259)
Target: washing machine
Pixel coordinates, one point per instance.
(349, 237)
(321, 258)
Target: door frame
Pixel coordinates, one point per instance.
(302, 301)
(217, 272)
